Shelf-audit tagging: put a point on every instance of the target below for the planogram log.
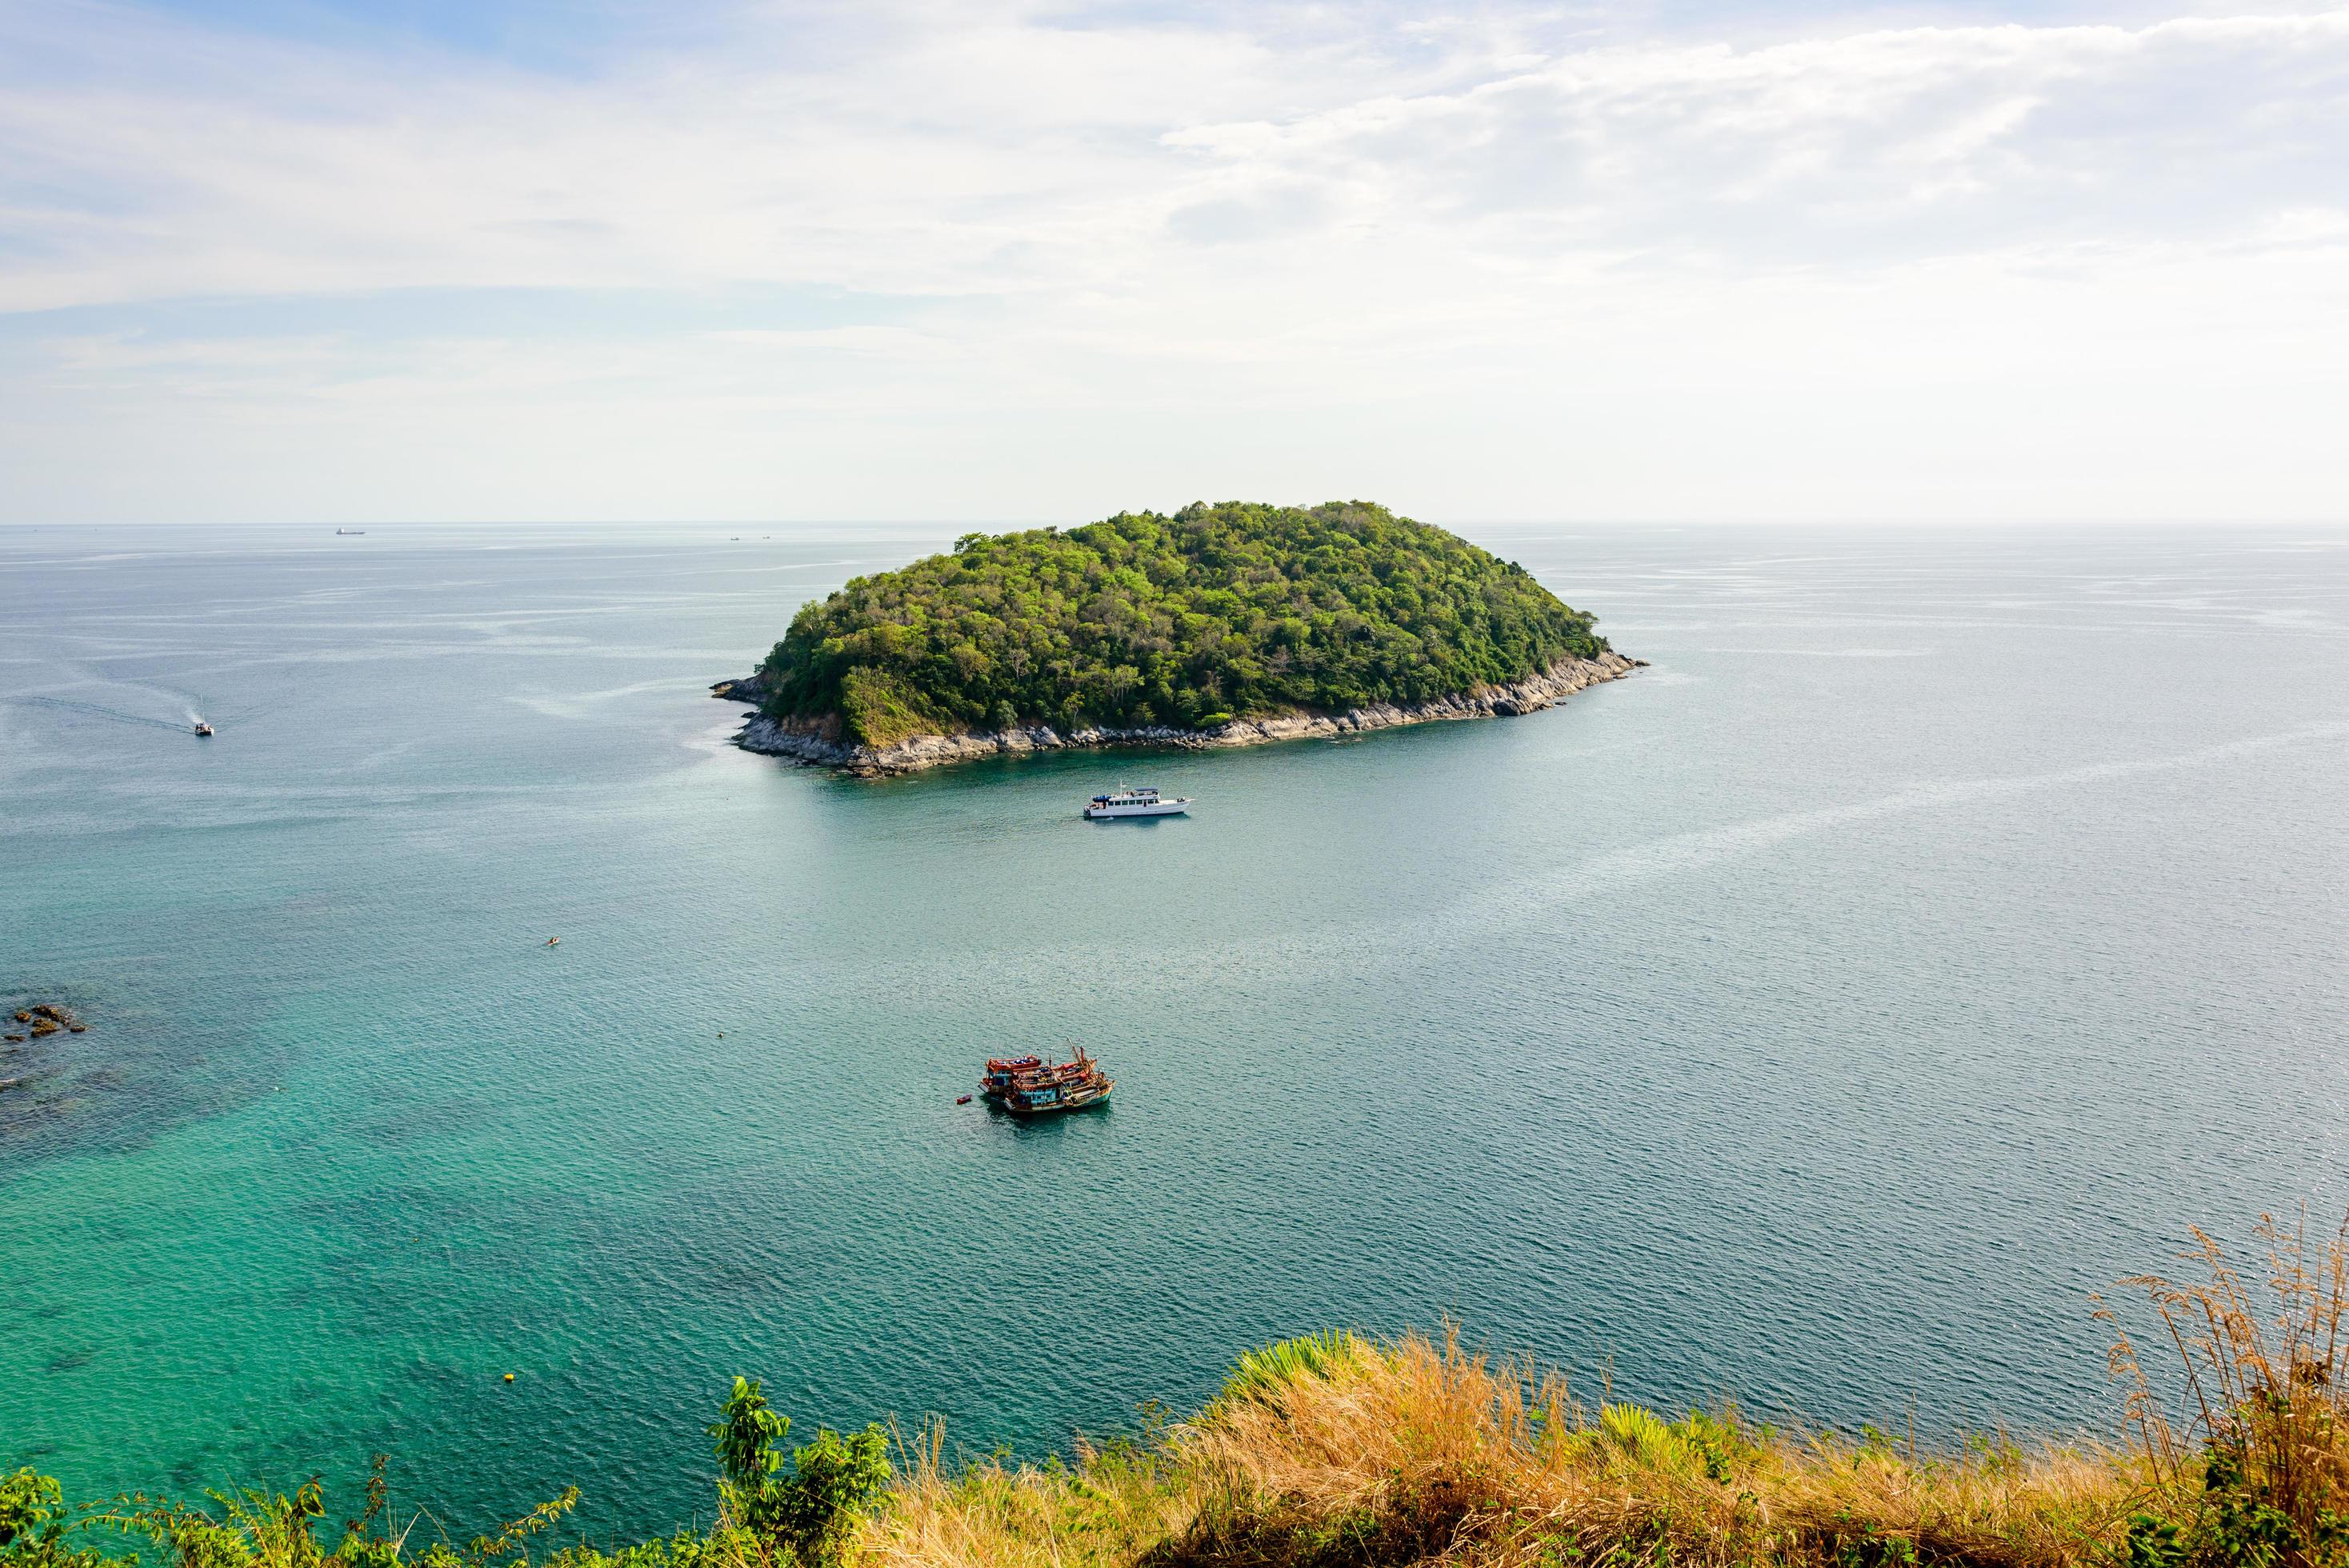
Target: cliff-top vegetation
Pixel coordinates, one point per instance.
(1145, 619)
(1335, 1453)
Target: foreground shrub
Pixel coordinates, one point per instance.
(808, 1518)
(766, 1520)
(1334, 1451)
(35, 1524)
(2253, 1465)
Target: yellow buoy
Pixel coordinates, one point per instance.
(509, 1377)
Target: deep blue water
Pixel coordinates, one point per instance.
(1944, 920)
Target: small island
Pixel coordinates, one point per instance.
(1229, 625)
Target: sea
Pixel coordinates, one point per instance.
(1943, 922)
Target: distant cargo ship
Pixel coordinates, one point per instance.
(350, 533)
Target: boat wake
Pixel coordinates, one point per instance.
(111, 715)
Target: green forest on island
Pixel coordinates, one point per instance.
(1214, 612)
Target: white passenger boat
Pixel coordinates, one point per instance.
(1141, 801)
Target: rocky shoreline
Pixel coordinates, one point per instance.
(818, 743)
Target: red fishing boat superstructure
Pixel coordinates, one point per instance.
(996, 1082)
(1031, 1086)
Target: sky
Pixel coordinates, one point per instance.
(648, 260)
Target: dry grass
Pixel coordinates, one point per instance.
(2254, 1461)
(1117, 1505)
(1422, 1452)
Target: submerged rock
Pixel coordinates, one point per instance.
(48, 1018)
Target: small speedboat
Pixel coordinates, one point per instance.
(202, 729)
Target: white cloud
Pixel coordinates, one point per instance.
(1170, 233)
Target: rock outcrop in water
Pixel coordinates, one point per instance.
(820, 742)
(31, 1026)
(47, 1019)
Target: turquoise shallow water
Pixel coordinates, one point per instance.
(1944, 920)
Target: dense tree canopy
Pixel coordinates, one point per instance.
(1217, 611)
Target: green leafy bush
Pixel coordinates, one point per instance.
(1188, 619)
(35, 1524)
(807, 1519)
(255, 1528)
(766, 1520)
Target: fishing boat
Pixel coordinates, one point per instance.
(350, 533)
(1137, 800)
(202, 729)
(996, 1082)
(1028, 1086)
